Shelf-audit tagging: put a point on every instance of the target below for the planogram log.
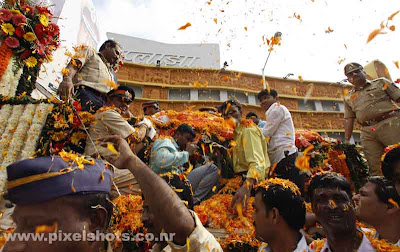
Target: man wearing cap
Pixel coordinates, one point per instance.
(109, 120)
(150, 108)
(53, 195)
(89, 74)
(373, 105)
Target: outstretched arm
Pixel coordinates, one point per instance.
(168, 208)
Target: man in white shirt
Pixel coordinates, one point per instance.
(279, 215)
(280, 135)
(331, 201)
(377, 204)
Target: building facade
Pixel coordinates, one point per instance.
(314, 105)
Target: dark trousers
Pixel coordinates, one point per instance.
(286, 169)
(91, 100)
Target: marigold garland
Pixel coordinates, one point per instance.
(5, 56)
(378, 244)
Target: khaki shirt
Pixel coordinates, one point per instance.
(250, 153)
(106, 123)
(373, 100)
(93, 70)
(199, 240)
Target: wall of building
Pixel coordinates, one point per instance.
(314, 105)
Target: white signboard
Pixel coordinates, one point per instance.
(148, 52)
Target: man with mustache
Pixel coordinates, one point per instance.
(249, 152)
(373, 105)
(377, 204)
(331, 201)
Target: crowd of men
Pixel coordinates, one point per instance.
(48, 191)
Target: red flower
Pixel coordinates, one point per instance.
(40, 31)
(44, 41)
(19, 19)
(397, 81)
(27, 9)
(58, 147)
(11, 42)
(77, 106)
(5, 14)
(25, 54)
(41, 49)
(19, 31)
(53, 29)
(76, 122)
(43, 10)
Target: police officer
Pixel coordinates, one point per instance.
(373, 105)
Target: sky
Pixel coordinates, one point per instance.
(238, 26)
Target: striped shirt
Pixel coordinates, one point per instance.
(93, 70)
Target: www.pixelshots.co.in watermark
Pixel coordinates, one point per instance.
(60, 236)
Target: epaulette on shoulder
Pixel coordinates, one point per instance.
(381, 79)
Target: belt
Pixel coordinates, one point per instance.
(381, 118)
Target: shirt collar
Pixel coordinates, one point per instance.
(367, 83)
(365, 245)
(104, 60)
(301, 246)
(273, 105)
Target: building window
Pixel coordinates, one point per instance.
(209, 95)
(307, 105)
(179, 94)
(330, 106)
(240, 96)
(138, 89)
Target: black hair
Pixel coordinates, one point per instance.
(232, 102)
(184, 128)
(265, 92)
(389, 163)
(329, 180)
(385, 189)
(182, 188)
(125, 88)
(291, 207)
(251, 114)
(110, 42)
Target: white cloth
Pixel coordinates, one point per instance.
(365, 246)
(279, 129)
(301, 246)
(200, 240)
(151, 132)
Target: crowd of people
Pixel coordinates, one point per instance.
(264, 156)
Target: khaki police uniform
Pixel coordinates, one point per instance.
(374, 108)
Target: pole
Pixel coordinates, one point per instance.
(263, 76)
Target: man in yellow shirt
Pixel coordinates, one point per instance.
(249, 155)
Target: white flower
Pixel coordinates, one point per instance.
(12, 123)
(5, 112)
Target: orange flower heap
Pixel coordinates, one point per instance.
(127, 218)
